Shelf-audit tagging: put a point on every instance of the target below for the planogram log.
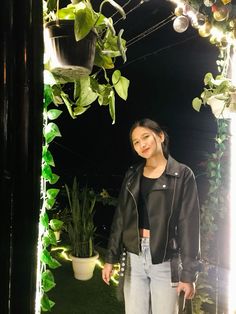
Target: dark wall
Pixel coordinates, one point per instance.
(21, 88)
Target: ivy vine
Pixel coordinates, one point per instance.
(213, 211)
(49, 194)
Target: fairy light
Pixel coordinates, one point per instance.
(216, 33)
(232, 273)
(39, 251)
(66, 256)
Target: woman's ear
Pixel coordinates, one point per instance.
(162, 136)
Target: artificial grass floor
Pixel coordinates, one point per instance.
(72, 296)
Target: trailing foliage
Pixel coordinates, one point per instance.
(213, 212)
(49, 194)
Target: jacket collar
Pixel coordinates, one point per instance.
(172, 168)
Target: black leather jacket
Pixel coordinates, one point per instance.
(173, 216)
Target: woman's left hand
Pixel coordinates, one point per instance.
(187, 288)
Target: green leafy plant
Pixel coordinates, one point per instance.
(80, 225)
(99, 85)
(220, 88)
(213, 212)
(49, 194)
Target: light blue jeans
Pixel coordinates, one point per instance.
(147, 286)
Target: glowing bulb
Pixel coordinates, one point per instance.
(215, 32)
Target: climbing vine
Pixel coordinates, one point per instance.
(48, 194)
(213, 212)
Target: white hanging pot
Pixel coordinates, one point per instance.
(218, 107)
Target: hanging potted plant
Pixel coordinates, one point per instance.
(87, 33)
(220, 94)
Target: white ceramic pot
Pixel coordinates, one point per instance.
(84, 267)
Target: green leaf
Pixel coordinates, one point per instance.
(48, 259)
(44, 220)
(47, 172)
(46, 303)
(208, 79)
(196, 103)
(115, 5)
(69, 104)
(54, 178)
(47, 156)
(121, 45)
(54, 114)
(67, 13)
(49, 203)
(51, 4)
(84, 20)
(56, 224)
(104, 94)
(52, 193)
(87, 95)
(47, 95)
(112, 106)
(49, 238)
(47, 280)
(76, 89)
(51, 131)
(101, 60)
(121, 84)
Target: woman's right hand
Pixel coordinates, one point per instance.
(107, 273)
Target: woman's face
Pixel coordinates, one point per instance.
(147, 143)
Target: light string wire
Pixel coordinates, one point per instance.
(157, 51)
(150, 30)
(128, 12)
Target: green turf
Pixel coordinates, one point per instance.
(72, 296)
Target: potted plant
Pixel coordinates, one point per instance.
(83, 24)
(219, 93)
(80, 226)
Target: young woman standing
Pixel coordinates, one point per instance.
(155, 229)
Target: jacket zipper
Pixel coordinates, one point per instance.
(137, 217)
(171, 212)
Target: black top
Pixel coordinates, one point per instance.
(145, 187)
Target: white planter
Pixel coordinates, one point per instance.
(218, 107)
(84, 267)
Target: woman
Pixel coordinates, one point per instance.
(155, 228)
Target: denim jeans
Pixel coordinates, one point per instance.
(147, 286)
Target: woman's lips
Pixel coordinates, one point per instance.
(145, 150)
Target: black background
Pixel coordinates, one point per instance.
(166, 71)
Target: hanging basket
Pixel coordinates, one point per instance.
(69, 58)
(217, 104)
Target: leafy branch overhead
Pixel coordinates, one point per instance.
(100, 85)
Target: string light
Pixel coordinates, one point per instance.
(207, 24)
(66, 256)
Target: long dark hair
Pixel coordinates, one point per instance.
(155, 127)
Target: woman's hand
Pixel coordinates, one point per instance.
(107, 273)
(187, 288)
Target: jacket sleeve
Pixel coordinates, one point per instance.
(189, 229)
(114, 247)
